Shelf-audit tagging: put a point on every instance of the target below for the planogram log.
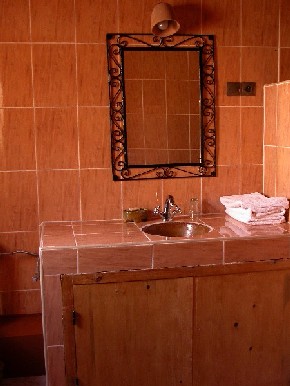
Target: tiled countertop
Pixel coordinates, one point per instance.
(97, 246)
(75, 234)
(76, 247)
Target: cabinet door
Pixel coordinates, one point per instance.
(134, 333)
(242, 330)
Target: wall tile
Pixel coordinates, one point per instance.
(132, 60)
(193, 66)
(152, 64)
(52, 310)
(103, 228)
(135, 138)
(100, 195)
(283, 171)
(52, 126)
(270, 114)
(137, 156)
(54, 75)
(94, 19)
(179, 156)
(182, 254)
(117, 258)
(18, 201)
(283, 115)
(151, 157)
(55, 235)
(85, 240)
(175, 60)
(177, 93)
(141, 194)
(265, 32)
(270, 170)
(182, 192)
(255, 250)
(194, 94)
(154, 97)
(20, 302)
(229, 135)
(18, 12)
(284, 64)
(194, 128)
(94, 134)
(260, 65)
(92, 75)
(251, 178)
(135, 17)
(226, 183)
(181, 11)
(65, 261)
(25, 241)
(134, 96)
(228, 62)
(16, 75)
(17, 139)
(223, 20)
(178, 132)
(251, 135)
(52, 21)
(284, 23)
(16, 272)
(155, 131)
(59, 195)
(55, 371)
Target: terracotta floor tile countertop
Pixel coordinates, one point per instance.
(76, 247)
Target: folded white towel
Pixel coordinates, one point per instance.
(246, 216)
(255, 208)
(256, 202)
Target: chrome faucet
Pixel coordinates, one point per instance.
(170, 209)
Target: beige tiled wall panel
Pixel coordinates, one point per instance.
(277, 142)
(55, 142)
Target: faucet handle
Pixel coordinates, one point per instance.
(176, 209)
(156, 210)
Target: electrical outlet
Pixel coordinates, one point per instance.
(248, 88)
(241, 88)
(233, 88)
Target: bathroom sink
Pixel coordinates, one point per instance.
(177, 229)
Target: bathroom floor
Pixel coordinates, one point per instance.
(24, 381)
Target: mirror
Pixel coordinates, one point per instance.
(161, 106)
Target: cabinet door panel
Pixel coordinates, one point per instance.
(134, 333)
(242, 330)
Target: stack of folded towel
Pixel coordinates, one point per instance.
(255, 208)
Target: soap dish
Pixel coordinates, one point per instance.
(135, 214)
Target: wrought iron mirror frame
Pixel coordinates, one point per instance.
(204, 45)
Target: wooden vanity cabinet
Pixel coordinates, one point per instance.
(242, 329)
(203, 326)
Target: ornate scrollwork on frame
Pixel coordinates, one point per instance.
(123, 167)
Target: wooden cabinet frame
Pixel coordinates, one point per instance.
(210, 308)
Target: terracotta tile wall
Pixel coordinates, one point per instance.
(277, 139)
(54, 126)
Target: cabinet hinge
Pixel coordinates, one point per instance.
(74, 317)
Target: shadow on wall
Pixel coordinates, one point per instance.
(189, 17)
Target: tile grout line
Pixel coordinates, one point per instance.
(34, 117)
(77, 113)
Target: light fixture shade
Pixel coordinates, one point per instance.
(162, 20)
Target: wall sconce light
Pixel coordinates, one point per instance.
(162, 20)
